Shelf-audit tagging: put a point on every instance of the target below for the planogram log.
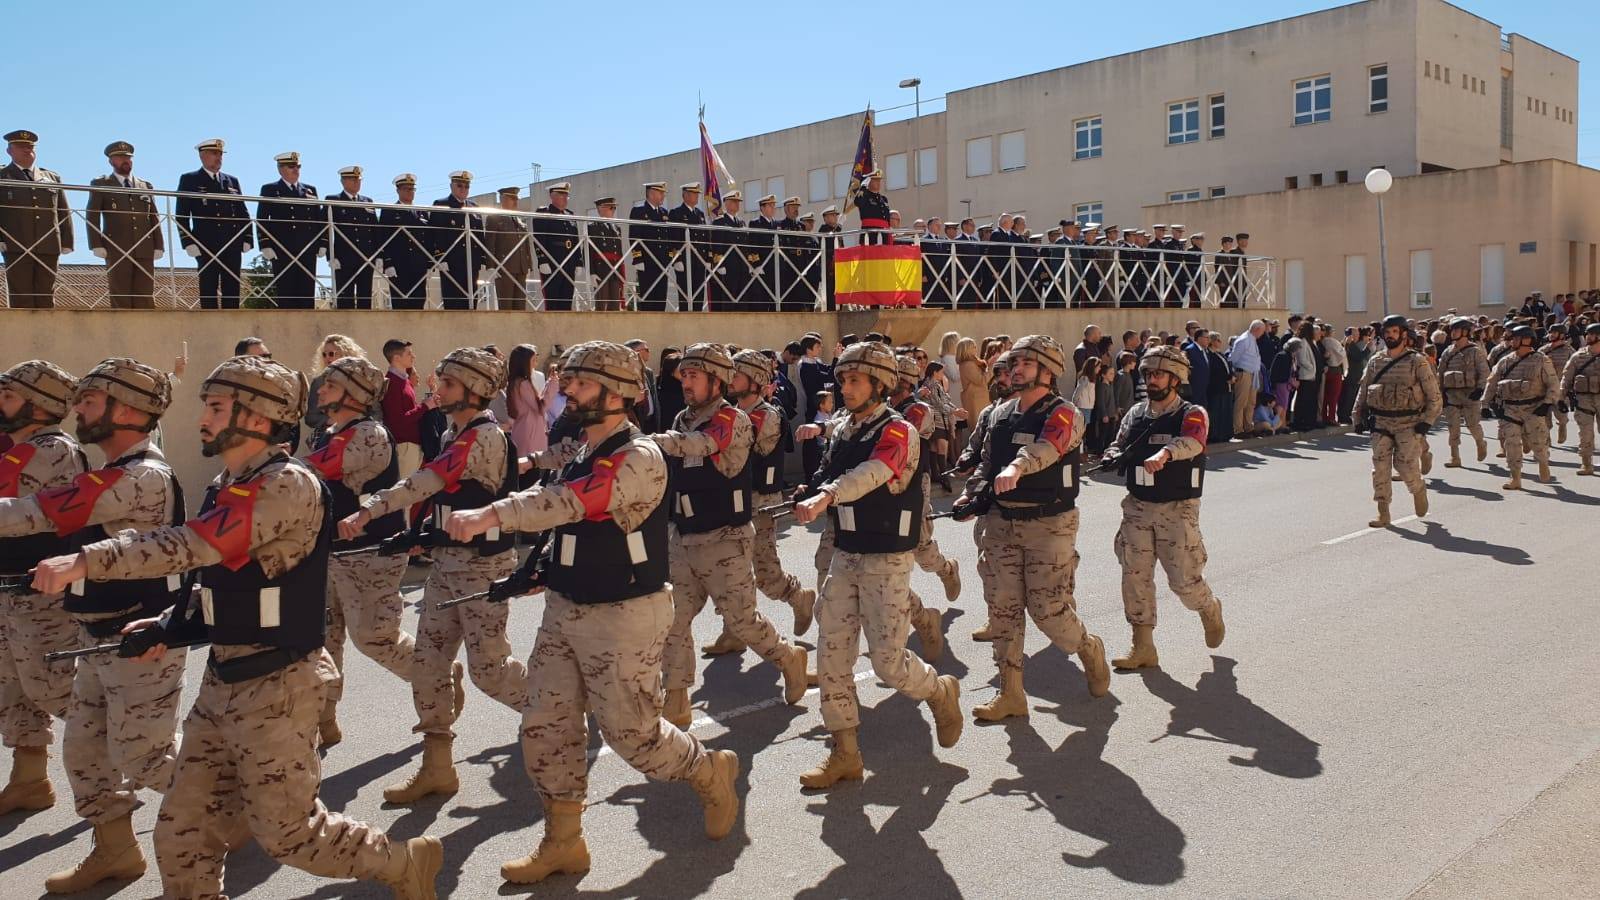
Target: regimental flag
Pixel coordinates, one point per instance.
(713, 173)
(863, 163)
(878, 275)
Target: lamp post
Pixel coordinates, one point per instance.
(912, 162)
(1378, 182)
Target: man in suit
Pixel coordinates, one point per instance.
(35, 224)
(559, 256)
(651, 246)
(730, 275)
(125, 231)
(214, 231)
(457, 242)
(758, 255)
(293, 235)
(511, 253)
(405, 257)
(356, 240)
(689, 249)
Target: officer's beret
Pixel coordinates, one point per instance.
(119, 148)
(606, 201)
(22, 136)
(350, 172)
(405, 178)
(210, 144)
(291, 158)
(509, 191)
(461, 175)
(560, 187)
(655, 185)
(691, 186)
(770, 198)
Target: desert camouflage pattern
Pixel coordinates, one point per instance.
(1411, 387)
(1521, 383)
(1463, 370)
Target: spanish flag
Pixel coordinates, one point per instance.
(878, 275)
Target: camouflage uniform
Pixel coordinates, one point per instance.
(767, 423)
(1522, 384)
(1463, 370)
(1580, 384)
(970, 457)
(1560, 354)
(1407, 395)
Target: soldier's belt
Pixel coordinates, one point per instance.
(1394, 413)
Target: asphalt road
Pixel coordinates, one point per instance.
(1393, 711)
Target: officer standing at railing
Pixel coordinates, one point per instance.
(293, 235)
(688, 248)
(730, 274)
(406, 257)
(796, 295)
(510, 253)
(650, 247)
(35, 224)
(873, 207)
(456, 240)
(356, 239)
(125, 231)
(559, 256)
(758, 255)
(216, 233)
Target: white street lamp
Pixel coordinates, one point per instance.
(1378, 182)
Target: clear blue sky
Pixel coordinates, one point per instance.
(495, 87)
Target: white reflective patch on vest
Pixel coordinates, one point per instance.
(174, 582)
(847, 518)
(905, 523)
(207, 610)
(685, 508)
(772, 475)
(569, 549)
(693, 462)
(636, 551)
(1194, 477)
(271, 607)
(76, 588)
(738, 501)
(1066, 476)
(1023, 440)
(492, 534)
(1142, 477)
(362, 500)
(441, 515)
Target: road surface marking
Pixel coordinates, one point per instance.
(1366, 531)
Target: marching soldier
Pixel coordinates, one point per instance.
(359, 460)
(750, 390)
(730, 277)
(605, 258)
(1580, 389)
(125, 231)
(1463, 370)
(999, 389)
(599, 646)
(477, 467)
(873, 207)
(123, 714)
(260, 544)
(688, 253)
(35, 224)
(1161, 450)
(868, 480)
(1398, 399)
(292, 234)
(927, 622)
(708, 454)
(215, 233)
(559, 257)
(651, 247)
(406, 257)
(1523, 388)
(457, 243)
(758, 255)
(1560, 350)
(1030, 468)
(34, 397)
(510, 253)
(356, 242)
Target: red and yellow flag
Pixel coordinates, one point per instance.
(878, 275)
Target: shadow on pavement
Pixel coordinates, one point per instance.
(1439, 537)
(1214, 710)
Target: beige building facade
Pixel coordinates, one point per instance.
(1411, 85)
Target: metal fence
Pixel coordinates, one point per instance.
(311, 253)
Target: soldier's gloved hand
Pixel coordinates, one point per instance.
(267, 253)
(1360, 426)
(144, 640)
(961, 510)
(192, 250)
(1542, 409)
(1420, 428)
(1486, 412)
(100, 252)
(1476, 395)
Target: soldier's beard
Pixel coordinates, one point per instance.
(224, 441)
(1394, 343)
(94, 432)
(594, 413)
(1159, 394)
(13, 424)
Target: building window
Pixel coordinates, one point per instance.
(775, 188)
(1421, 279)
(817, 186)
(1378, 89)
(980, 157)
(1492, 275)
(1316, 179)
(1089, 212)
(1219, 116)
(1183, 196)
(752, 193)
(1313, 100)
(1218, 191)
(1086, 139)
(841, 180)
(894, 172)
(1183, 122)
(1446, 74)
(928, 165)
(1291, 182)
(1427, 69)
(1355, 284)
(1013, 151)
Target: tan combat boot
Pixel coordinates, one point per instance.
(1010, 700)
(1419, 502)
(715, 782)
(1092, 656)
(1427, 461)
(1455, 459)
(29, 787)
(1143, 653)
(984, 634)
(115, 855)
(437, 775)
(328, 731)
(929, 626)
(1211, 620)
(412, 873)
(1514, 484)
(1544, 472)
(676, 708)
(458, 688)
(1587, 468)
(805, 610)
(951, 579)
(1483, 451)
(843, 763)
(562, 849)
(945, 704)
(794, 675)
(725, 644)
(1561, 431)
(1382, 520)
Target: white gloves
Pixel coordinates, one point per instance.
(267, 253)
(679, 267)
(246, 247)
(580, 273)
(544, 268)
(3, 247)
(389, 272)
(192, 249)
(333, 264)
(100, 252)
(160, 253)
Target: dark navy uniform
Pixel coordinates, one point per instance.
(874, 210)
(216, 232)
(406, 257)
(651, 250)
(556, 241)
(296, 234)
(758, 255)
(797, 271)
(356, 240)
(689, 262)
(730, 276)
(457, 241)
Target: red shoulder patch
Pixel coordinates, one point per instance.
(329, 461)
(594, 489)
(69, 506)
(917, 414)
(12, 462)
(226, 526)
(451, 463)
(758, 418)
(1196, 424)
(720, 427)
(1058, 428)
(894, 445)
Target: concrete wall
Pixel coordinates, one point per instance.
(77, 339)
(1552, 205)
